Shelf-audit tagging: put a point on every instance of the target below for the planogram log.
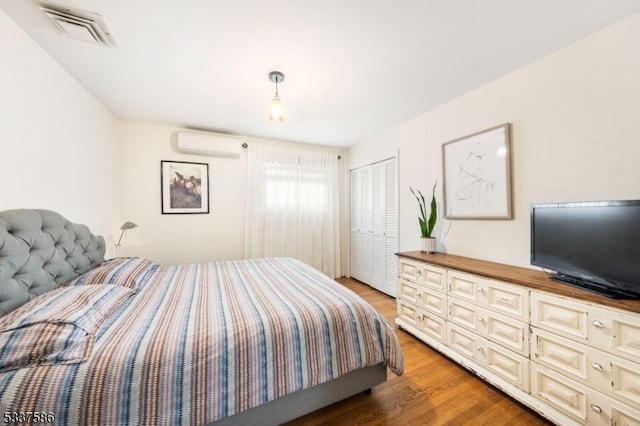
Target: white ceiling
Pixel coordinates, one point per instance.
(353, 68)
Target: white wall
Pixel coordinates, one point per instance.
(183, 238)
(576, 136)
(58, 147)
(62, 150)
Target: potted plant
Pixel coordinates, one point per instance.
(427, 225)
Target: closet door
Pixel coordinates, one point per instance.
(356, 223)
(385, 226)
(366, 229)
(374, 225)
(391, 227)
(378, 227)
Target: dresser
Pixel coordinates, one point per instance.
(571, 355)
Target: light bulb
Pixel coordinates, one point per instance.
(277, 110)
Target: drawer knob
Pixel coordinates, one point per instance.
(480, 290)
(481, 349)
(597, 324)
(596, 408)
(597, 366)
(482, 320)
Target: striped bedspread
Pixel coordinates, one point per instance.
(198, 343)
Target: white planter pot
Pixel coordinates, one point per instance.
(428, 244)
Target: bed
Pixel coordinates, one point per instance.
(127, 341)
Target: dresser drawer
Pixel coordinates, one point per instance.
(431, 325)
(625, 380)
(408, 291)
(606, 411)
(421, 273)
(408, 270)
(510, 366)
(433, 277)
(615, 332)
(463, 313)
(560, 316)
(560, 392)
(432, 301)
(408, 313)
(506, 299)
(561, 354)
(463, 286)
(463, 341)
(511, 334)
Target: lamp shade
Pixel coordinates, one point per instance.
(277, 110)
(124, 227)
(128, 225)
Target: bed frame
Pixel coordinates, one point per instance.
(308, 400)
(40, 249)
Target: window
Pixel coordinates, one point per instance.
(290, 187)
(293, 206)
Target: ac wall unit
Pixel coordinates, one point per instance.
(209, 144)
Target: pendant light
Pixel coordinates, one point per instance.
(276, 112)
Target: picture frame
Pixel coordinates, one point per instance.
(184, 187)
(477, 175)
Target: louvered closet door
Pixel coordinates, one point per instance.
(356, 223)
(366, 230)
(391, 227)
(378, 217)
(374, 241)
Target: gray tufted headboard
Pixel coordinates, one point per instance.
(40, 249)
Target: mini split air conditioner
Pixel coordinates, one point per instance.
(209, 144)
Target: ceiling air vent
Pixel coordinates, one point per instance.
(79, 24)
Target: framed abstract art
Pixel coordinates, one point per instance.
(477, 175)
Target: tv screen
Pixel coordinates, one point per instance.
(593, 245)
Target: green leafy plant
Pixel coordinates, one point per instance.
(426, 225)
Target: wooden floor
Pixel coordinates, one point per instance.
(432, 391)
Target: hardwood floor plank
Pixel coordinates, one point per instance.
(433, 390)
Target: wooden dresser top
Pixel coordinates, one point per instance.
(514, 274)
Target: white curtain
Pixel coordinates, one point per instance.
(293, 206)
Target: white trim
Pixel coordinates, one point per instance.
(376, 159)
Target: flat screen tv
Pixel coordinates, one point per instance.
(592, 245)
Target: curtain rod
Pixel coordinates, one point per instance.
(246, 145)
